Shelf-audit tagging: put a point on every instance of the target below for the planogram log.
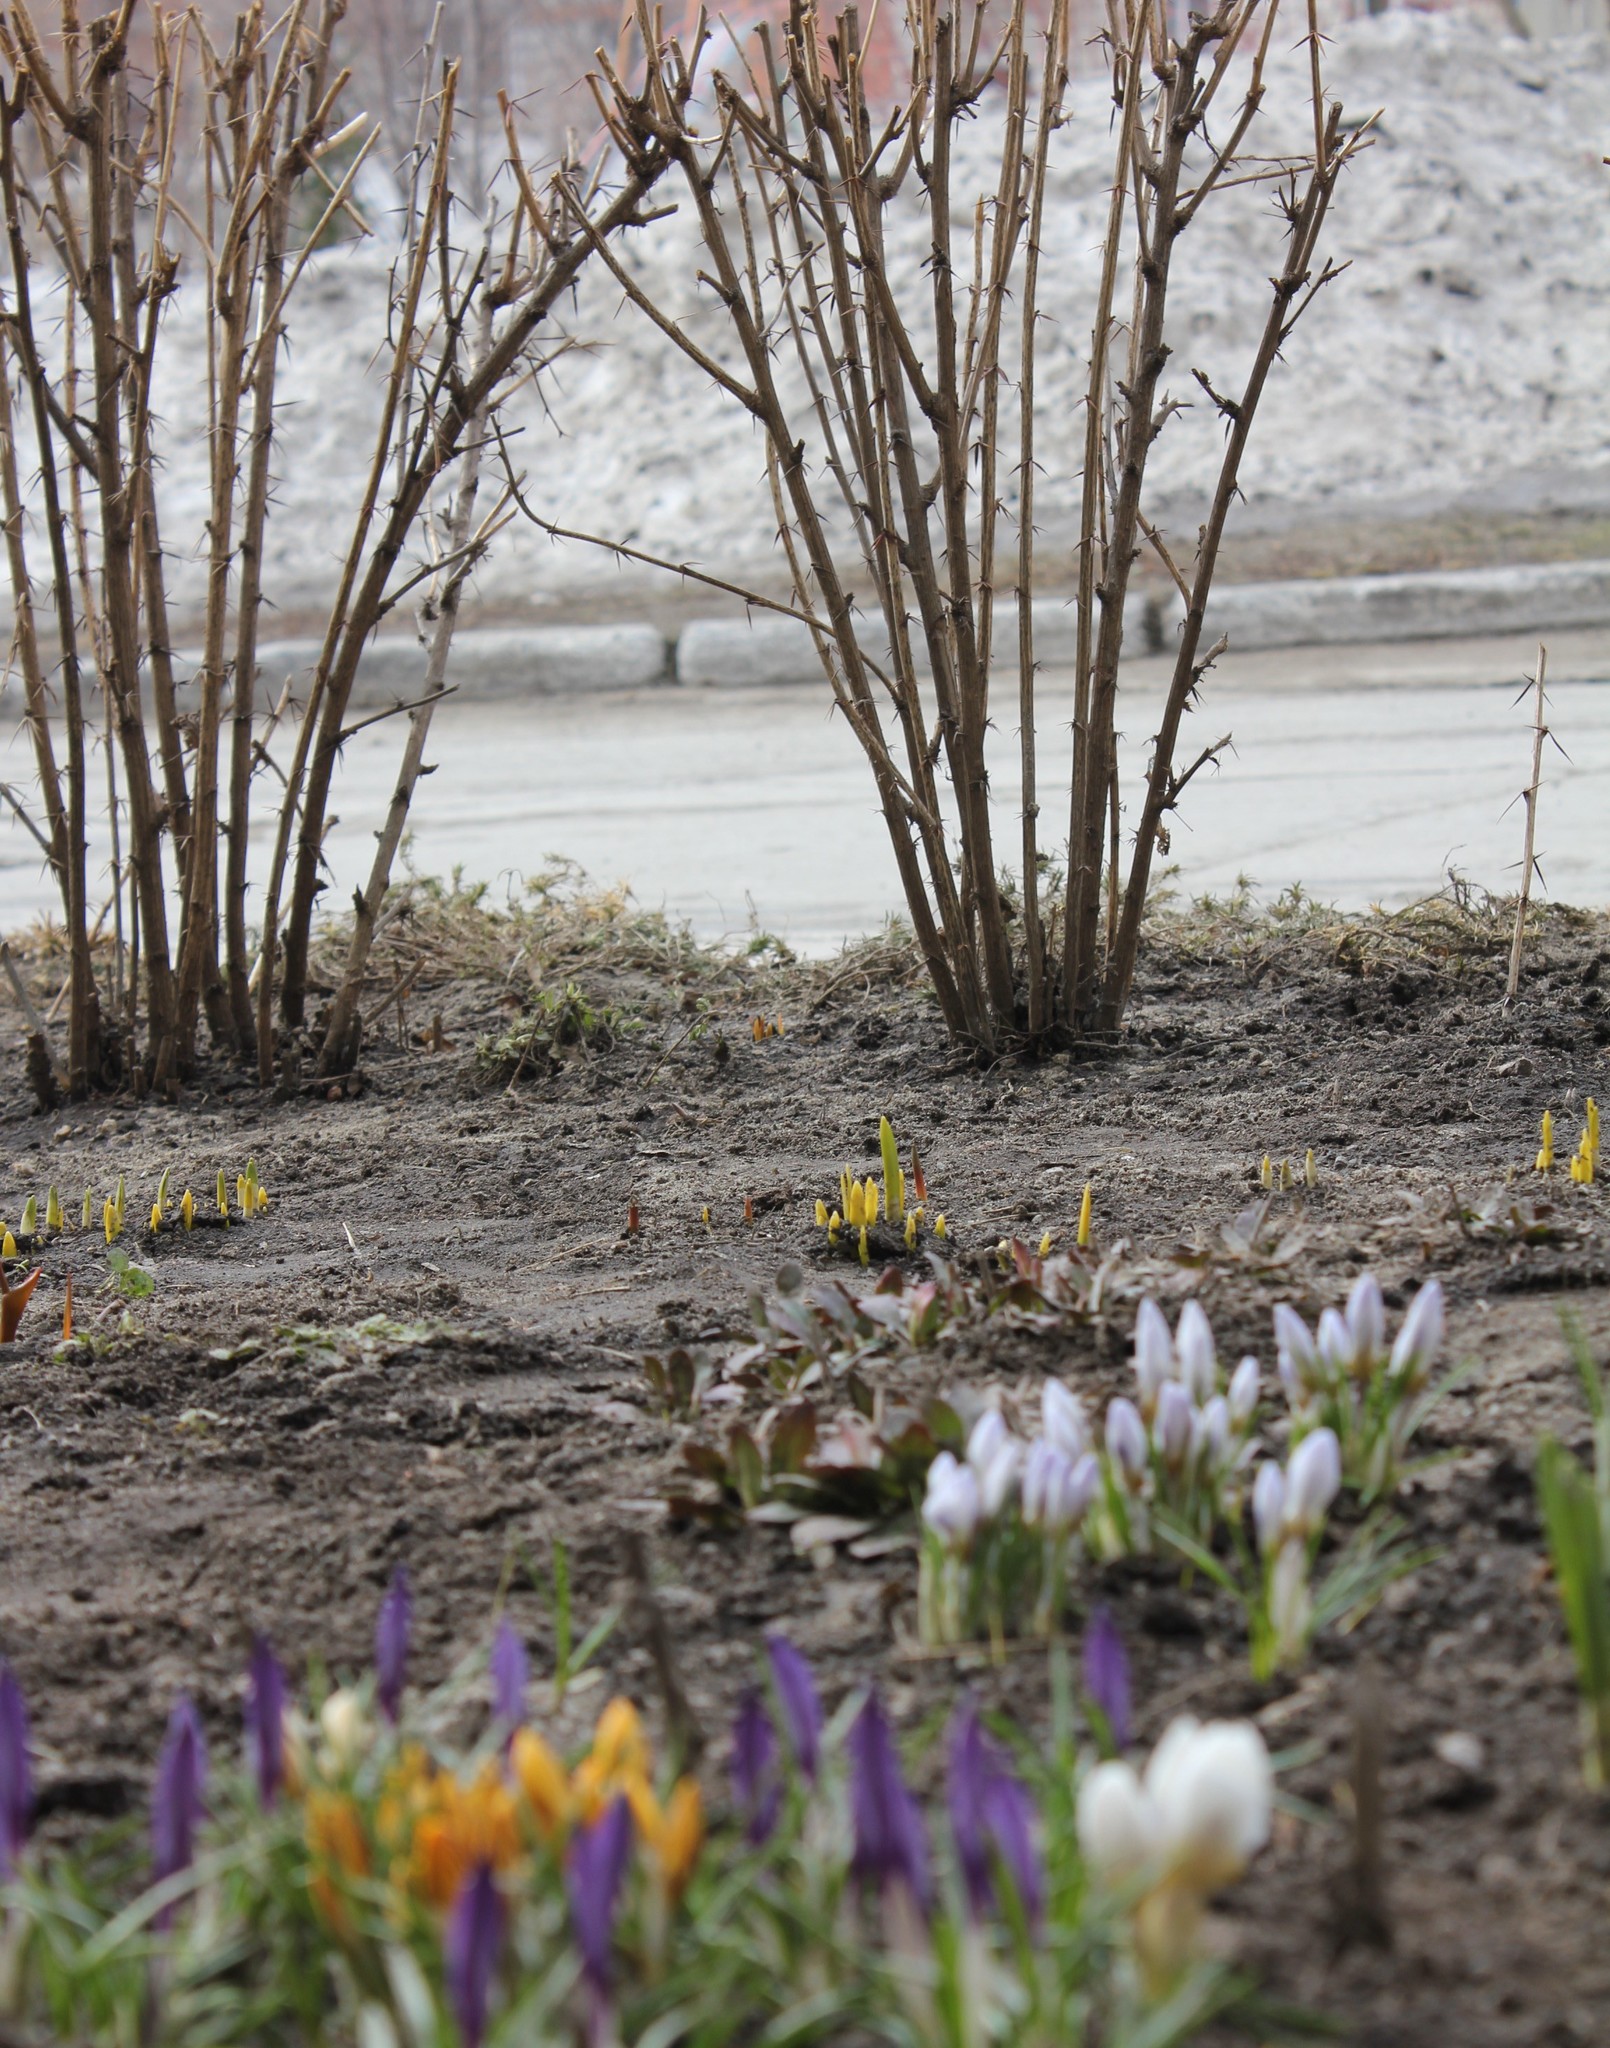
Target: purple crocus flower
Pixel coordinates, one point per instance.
(796, 1695)
(991, 1815)
(265, 1720)
(755, 1782)
(176, 1799)
(509, 1672)
(593, 1874)
(891, 1843)
(1106, 1674)
(16, 1778)
(472, 1941)
(391, 1643)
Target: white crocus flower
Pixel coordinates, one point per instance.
(1269, 1505)
(1063, 1419)
(1171, 1428)
(1154, 1355)
(1198, 1356)
(1210, 1435)
(1420, 1338)
(1117, 1823)
(1057, 1490)
(995, 1457)
(1213, 1790)
(952, 1506)
(1334, 1343)
(1126, 1438)
(1245, 1386)
(1313, 1478)
(345, 1728)
(1366, 1321)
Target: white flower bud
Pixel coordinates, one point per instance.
(1245, 1387)
(1198, 1356)
(1420, 1338)
(1210, 1434)
(1063, 1417)
(345, 1729)
(1171, 1428)
(1337, 1350)
(988, 1433)
(1213, 1791)
(1057, 1491)
(1117, 1823)
(1366, 1320)
(1269, 1505)
(998, 1473)
(1154, 1354)
(1294, 1346)
(1313, 1478)
(1126, 1438)
(952, 1506)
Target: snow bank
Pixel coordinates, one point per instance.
(1462, 358)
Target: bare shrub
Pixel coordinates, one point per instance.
(101, 232)
(897, 406)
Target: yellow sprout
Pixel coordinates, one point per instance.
(109, 1222)
(1545, 1157)
(835, 1223)
(29, 1226)
(187, 1210)
(911, 1231)
(855, 1207)
(894, 1188)
(1310, 1171)
(821, 1213)
(863, 1249)
(8, 1244)
(54, 1219)
(939, 1227)
(869, 1196)
(1045, 1244)
(156, 1218)
(1084, 1218)
(87, 1216)
(243, 1195)
(223, 1196)
(260, 1197)
(1266, 1172)
(162, 1191)
(845, 1184)
(118, 1201)
(1285, 1176)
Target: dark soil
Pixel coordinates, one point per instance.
(166, 1490)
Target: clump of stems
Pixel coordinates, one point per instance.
(905, 438)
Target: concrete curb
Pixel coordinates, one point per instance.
(1441, 604)
(487, 664)
(766, 650)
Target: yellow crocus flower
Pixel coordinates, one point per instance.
(187, 1210)
(821, 1213)
(543, 1781)
(619, 1744)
